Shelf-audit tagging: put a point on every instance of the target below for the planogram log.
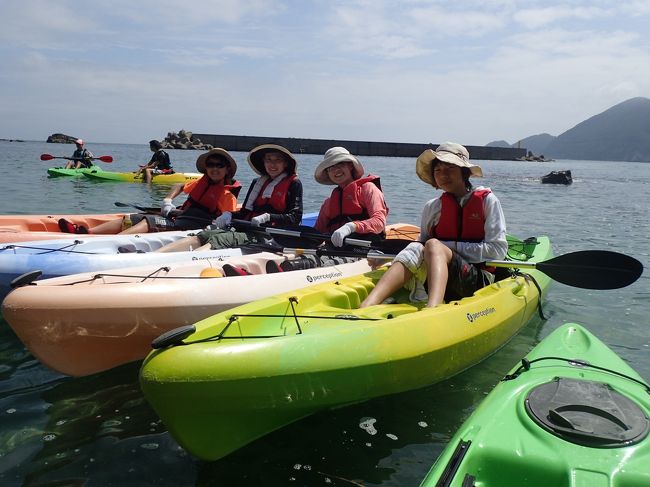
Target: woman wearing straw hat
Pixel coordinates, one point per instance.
(356, 206)
(459, 230)
(207, 197)
(273, 199)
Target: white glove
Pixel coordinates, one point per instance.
(167, 206)
(260, 219)
(223, 220)
(338, 236)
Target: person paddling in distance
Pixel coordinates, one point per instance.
(207, 198)
(159, 163)
(356, 207)
(81, 157)
(459, 231)
(274, 199)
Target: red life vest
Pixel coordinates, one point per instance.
(465, 224)
(206, 195)
(277, 203)
(344, 205)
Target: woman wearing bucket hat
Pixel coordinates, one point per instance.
(207, 197)
(356, 206)
(81, 157)
(459, 230)
(273, 199)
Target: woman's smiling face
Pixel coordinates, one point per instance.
(274, 164)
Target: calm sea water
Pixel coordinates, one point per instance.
(98, 430)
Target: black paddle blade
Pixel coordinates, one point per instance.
(593, 269)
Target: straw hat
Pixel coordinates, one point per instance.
(332, 157)
(200, 162)
(256, 158)
(448, 152)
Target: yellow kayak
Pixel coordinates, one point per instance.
(238, 375)
(130, 177)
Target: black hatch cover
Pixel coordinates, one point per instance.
(587, 413)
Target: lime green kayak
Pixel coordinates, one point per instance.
(573, 414)
(241, 374)
(130, 177)
(60, 171)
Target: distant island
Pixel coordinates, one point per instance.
(620, 133)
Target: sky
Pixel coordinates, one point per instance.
(419, 71)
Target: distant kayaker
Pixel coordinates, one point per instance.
(459, 230)
(356, 206)
(208, 197)
(159, 163)
(81, 157)
(274, 199)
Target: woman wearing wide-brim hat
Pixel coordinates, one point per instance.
(459, 231)
(208, 197)
(356, 206)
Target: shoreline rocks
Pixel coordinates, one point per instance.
(184, 140)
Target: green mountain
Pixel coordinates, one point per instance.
(620, 133)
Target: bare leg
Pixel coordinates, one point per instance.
(141, 227)
(147, 175)
(394, 278)
(112, 227)
(181, 245)
(437, 257)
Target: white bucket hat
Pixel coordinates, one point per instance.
(332, 157)
(256, 158)
(449, 152)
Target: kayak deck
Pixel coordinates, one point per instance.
(500, 443)
(60, 171)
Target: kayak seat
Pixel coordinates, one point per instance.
(231, 270)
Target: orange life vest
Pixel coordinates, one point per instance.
(206, 195)
(344, 205)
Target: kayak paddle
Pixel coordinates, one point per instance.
(312, 235)
(586, 269)
(156, 211)
(49, 157)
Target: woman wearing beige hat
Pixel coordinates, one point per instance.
(356, 206)
(207, 197)
(274, 199)
(459, 230)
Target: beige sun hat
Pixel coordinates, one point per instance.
(332, 157)
(449, 152)
(256, 158)
(200, 162)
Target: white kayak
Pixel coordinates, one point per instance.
(55, 258)
(86, 323)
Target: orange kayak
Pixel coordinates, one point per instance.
(21, 228)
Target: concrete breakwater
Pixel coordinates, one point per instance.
(245, 143)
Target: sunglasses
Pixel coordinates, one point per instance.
(217, 165)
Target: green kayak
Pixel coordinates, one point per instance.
(243, 373)
(60, 171)
(572, 414)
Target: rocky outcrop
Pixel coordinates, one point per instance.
(183, 140)
(61, 139)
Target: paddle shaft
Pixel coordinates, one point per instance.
(48, 157)
(586, 269)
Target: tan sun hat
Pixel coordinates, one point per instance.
(448, 152)
(256, 158)
(332, 157)
(200, 162)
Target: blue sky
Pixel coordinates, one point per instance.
(404, 71)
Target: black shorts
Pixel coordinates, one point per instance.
(464, 279)
(191, 219)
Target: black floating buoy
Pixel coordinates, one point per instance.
(173, 337)
(25, 279)
(558, 177)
